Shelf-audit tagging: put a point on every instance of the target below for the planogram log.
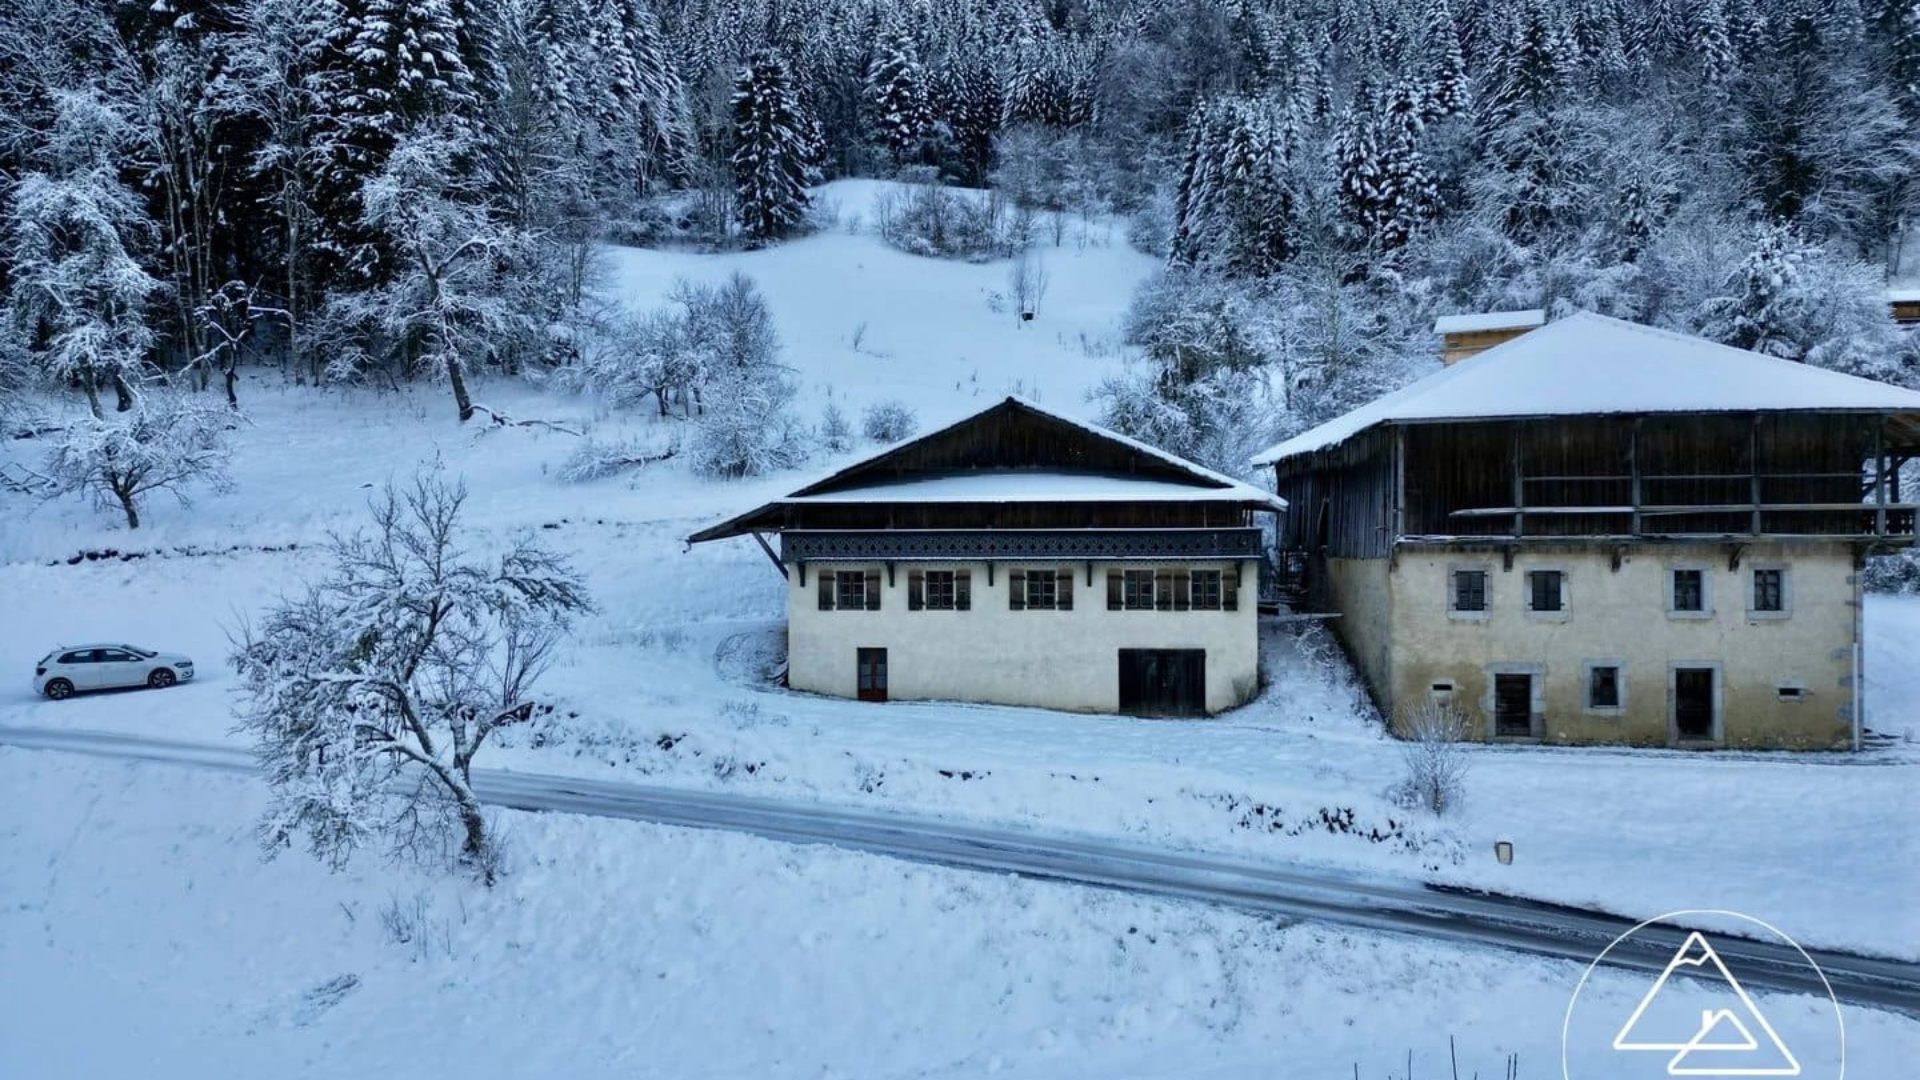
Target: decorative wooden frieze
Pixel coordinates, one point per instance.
(989, 544)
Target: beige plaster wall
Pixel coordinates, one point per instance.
(1621, 617)
(1054, 659)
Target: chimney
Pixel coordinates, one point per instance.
(1462, 336)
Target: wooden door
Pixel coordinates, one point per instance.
(1513, 705)
(1693, 703)
(870, 666)
(1163, 682)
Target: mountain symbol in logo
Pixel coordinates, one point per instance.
(1732, 1040)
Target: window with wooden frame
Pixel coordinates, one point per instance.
(1207, 590)
(849, 590)
(1131, 590)
(1546, 591)
(1040, 590)
(939, 590)
(1769, 591)
(1468, 594)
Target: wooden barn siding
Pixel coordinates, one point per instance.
(1685, 460)
(1352, 485)
(1009, 439)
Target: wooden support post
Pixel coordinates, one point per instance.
(777, 564)
(1753, 470)
(1880, 477)
(1399, 483)
(1519, 487)
(1633, 470)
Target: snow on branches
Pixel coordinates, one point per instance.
(368, 696)
(168, 441)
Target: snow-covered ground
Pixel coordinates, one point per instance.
(141, 935)
(668, 682)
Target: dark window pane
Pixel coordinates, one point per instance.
(1545, 590)
(1769, 591)
(850, 590)
(1043, 589)
(1603, 688)
(1139, 590)
(1689, 591)
(1469, 590)
(939, 590)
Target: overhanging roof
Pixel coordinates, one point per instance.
(1590, 365)
(964, 462)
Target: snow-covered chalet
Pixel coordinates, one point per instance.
(1020, 557)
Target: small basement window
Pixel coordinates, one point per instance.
(1441, 694)
(1791, 693)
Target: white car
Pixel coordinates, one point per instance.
(74, 668)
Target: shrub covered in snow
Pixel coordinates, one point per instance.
(836, 435)
(749, 427)
(889, 422)
(925, 218)
(596, 460)
(368, 696)
(1435, 757)
(168, 441)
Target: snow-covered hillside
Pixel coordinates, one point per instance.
(670, 678)
(142, 936)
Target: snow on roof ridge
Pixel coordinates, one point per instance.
(1469, 322)
(1387, 407)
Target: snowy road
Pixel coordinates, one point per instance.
(1305, 893)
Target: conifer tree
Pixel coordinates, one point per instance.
(771, 149)
(897, 94)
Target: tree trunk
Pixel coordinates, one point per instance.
(477, 848)
(123, 393)
(93, 396)
(126, 503)
(457, 375)
(233, 378)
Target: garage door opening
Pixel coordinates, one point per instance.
(1163, 682)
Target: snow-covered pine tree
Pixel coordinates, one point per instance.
(977, 107)
(1448, 93)
(77, 295)
(1361, 180)
(771, 150)
(1410, 194)
(1713, 50)
(896, 91)
(1766, 306)
(1257, 192)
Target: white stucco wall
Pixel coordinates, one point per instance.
(1620, 617)
(1054, 659)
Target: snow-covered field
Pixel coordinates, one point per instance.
(619, 945)
(135, 900)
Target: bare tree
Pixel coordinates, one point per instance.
(369, 696)
(166, 442)
(1436, 760)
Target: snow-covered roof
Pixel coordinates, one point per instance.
(1033, 485)
(1490, 320)
(876, 479)
(1907, 295)
(1589, 364)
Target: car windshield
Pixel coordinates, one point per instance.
(138, 651)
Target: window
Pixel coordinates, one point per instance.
(76, 658)
(1041, 590)
(1689, 590)
(1206, 590)
(939, 590)
(1545, 590)
(1603, 687)
(1770, 590)
(1469, 591)
(1441, 694)
(849, 590)
(1790, 692)
(1138, 590)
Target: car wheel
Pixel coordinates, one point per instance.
(160, 679)
(58, 689)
